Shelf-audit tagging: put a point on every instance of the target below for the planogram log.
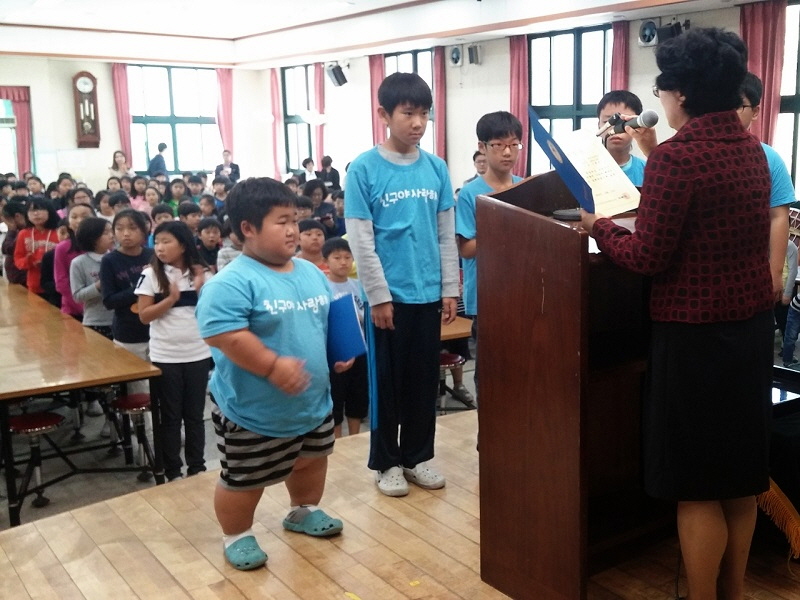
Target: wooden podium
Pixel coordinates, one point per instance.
(562, 342)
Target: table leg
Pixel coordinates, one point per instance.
(155, 410)
(8, 467)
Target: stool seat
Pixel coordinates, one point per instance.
(132, 403)
(449, 361)
(34, 423)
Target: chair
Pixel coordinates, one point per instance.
(449, 361)
(132, 407)
(34, 425)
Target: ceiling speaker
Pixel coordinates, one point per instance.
(474, 54)
(337, 75)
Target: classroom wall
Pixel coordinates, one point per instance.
(472, 91)
(643, 69)
(348, 112)
(252, 123)
(53, 116)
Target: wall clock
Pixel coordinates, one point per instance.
(87, 121)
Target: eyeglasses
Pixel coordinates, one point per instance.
(655, 91)
(501, 147)
(743, 106)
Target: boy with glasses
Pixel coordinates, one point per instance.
(499, 135)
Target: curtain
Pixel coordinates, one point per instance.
(225, 107)
(275, 100)
(440, 102)
(377, 72)
(319, 106)
(21, 104)
(518, 49)
(619, 55)
(762, 25)
(119, 78)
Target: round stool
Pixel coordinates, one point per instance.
(446, 361)
(132, 407)
(34, 425)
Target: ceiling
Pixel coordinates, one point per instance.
(262, 33)
(192, 18)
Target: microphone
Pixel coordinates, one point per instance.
(648, 118)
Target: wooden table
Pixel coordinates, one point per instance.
(45, 351)
(460, 328)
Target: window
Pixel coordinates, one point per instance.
(8, 138)
(567, 103)
(421, 63)
(177, 106)
(786, 132)
(299, 114)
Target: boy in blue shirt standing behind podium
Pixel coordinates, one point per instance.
(499, 134)
(400, 224)
(265, 317)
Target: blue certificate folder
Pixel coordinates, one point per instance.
(345, 338)
(569, 175)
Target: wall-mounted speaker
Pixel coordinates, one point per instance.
(337, 75)
(474, 54)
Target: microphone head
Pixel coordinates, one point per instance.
(648, 118)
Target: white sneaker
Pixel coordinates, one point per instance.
(424, 477)
(391, 482)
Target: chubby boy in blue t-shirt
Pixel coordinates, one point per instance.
(265, 317)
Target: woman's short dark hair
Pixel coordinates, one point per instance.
(252, 199)
(89, 231)
(707, 66)
(315, 184)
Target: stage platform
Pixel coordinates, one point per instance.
(163, 542)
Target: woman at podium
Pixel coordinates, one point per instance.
(702, 233)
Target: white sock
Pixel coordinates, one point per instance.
(227, 540)
(298, 513)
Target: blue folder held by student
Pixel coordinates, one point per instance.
(345, 338)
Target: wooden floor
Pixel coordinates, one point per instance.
(164, 542)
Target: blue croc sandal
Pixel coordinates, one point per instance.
(315, 523)
(245, 554)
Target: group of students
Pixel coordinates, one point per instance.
(108, 269)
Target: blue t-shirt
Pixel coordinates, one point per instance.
(403, 202)
(466, 227)
(634, 170)
(782, 188)
(288, 312)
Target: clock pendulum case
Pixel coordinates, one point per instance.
(84, 89)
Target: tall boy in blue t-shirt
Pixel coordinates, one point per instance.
(400, 224)
(265, 317)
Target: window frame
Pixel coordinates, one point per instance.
(790, 104)
(172, 120)
(579, 109)
(293, 119)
